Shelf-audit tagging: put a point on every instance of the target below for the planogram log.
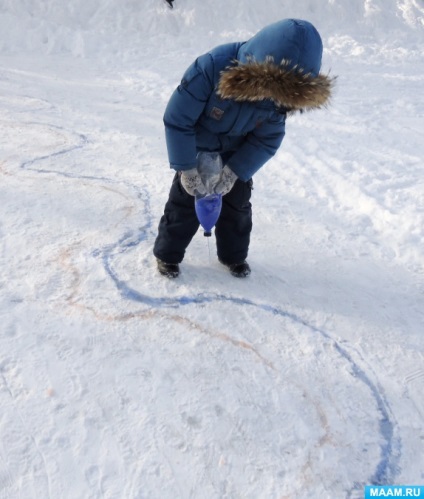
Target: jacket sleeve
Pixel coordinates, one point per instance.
(183, 111)
(259, 146)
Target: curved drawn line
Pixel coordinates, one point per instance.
(390, 450)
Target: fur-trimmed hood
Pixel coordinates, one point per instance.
(281, 62)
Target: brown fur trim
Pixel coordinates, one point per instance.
(290, 88)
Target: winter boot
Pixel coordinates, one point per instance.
(241, 269)
(170, 270)
(169, 2)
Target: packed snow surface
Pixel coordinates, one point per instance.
(305, 380)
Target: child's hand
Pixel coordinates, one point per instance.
(192, 183)
(227, 181)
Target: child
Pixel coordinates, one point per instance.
(234, 100)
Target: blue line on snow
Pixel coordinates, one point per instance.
(388, 466)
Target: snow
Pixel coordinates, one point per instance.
(305, 380)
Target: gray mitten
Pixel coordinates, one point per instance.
(227, 181)
(192, 183)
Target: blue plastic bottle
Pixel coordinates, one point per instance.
(208, 206)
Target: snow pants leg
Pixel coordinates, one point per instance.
(179, 224)
(232, 231)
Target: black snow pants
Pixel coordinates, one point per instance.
(179, 224)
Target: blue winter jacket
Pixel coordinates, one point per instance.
(234, 99)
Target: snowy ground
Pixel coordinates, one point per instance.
(305, 380)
